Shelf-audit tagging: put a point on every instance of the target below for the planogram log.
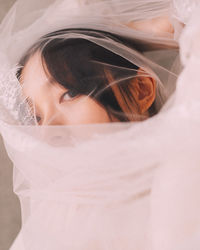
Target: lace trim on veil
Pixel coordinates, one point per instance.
(14, 108)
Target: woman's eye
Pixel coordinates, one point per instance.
(38, 118)
(69, 95)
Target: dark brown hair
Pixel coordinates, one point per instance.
(80, 66)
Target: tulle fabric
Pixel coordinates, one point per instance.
(107, 186)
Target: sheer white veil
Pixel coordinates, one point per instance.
(106, 186)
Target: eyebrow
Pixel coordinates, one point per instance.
(50, 80)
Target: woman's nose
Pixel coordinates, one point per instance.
(52, 117)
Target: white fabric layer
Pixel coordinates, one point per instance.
(116, 186)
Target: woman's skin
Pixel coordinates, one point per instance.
(52, 104)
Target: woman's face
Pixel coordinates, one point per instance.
(55, 105)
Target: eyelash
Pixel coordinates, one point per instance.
(38, 118)
(71, 94)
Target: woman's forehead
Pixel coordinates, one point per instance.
(34, 78)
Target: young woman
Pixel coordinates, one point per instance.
(98, 62)
(70, 81)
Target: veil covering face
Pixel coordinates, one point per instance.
(115, 185)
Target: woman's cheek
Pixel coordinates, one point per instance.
(85, 110)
